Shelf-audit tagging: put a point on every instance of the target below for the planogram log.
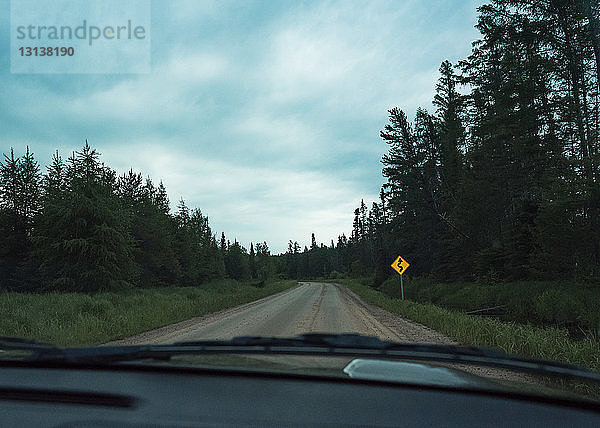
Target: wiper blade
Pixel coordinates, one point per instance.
(335, 342)
(21, 344)
(314, 344)
(358, 345)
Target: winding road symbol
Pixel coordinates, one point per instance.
(400, 265)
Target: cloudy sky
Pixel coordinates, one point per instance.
(264, 114)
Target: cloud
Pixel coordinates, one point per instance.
(350, 59)
(164, 94)
(265, 115)
(249, 203)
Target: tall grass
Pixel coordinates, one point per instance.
(549, 343)
(575, 306)
(71, 319)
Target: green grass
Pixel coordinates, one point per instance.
(74, 319)
(575, 306)
(549, 343)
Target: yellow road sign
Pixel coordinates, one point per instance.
(400, 265)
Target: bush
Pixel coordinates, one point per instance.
(560, 304)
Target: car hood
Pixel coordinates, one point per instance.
(413, 373)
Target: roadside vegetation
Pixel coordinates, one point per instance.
(563, 304)
(72, 319)
(549, 343)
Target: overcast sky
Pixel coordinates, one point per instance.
(265, 115)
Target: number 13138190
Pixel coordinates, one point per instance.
(47, 51)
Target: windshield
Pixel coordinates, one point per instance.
(421, 172)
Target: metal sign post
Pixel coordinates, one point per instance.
(402, 287)
(400, 265)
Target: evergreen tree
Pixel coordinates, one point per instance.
(82, 239)
(19, 204)
(162, 199)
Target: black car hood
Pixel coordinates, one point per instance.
(414, 373)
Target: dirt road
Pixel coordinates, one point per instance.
(309, 307)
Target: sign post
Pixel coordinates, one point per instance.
(402, 287)
(400, 265)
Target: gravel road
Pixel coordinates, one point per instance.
(308, 307)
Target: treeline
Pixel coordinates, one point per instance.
(79, 226)
(502, 181)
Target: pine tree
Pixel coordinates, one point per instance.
(162, 200)
(54, 182)
(82, 239)
(14, 239)
(9, 184)
(29, 189)
(223, 243)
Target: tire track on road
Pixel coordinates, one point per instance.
(316, 309)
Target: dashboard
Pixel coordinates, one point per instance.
(135, 396)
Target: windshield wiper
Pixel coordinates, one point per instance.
(314, 344)
(21, 344)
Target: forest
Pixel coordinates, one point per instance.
(500, 183)
(80, 227)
